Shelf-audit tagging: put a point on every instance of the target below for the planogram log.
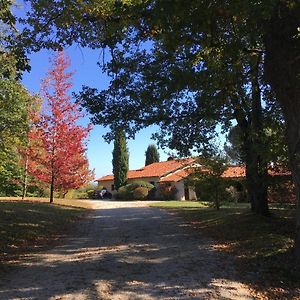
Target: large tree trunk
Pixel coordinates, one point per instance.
(282, 69)
(52, 188)
(258, 164)
(255, 176)
(25, 178)
(253, 145)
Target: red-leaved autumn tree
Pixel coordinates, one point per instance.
(57, 144)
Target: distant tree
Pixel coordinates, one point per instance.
(120, 159)
(56, 143)
(152, 155)
(273, 136)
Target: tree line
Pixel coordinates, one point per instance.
(41, 145)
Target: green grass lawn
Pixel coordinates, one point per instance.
(262, 246)
(82, 203)
(25, 225)
(180, 204)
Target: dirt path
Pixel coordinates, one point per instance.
(126, 251)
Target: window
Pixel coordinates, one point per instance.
(112, 187)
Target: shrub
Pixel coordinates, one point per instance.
(140, 183)
(281, 190)
(87, 192)
(214, 190)
(166, 192)
(128, 192)
(92, 194)
(123, 193)
(140, 193)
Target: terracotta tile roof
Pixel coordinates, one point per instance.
(234, 172)
(177, 176)
(172, 170)
(279, 171)
(240, 171)
(158, 169)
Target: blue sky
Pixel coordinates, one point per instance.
(87, 72)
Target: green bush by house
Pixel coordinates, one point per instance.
(138, 190)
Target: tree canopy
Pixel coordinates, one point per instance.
(56, 142)
(15, 101)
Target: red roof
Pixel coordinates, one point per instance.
(158, 169)
(234, 172)
(240, 171)
(177, 176)
(177, 169)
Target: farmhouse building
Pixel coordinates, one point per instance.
(173, 172)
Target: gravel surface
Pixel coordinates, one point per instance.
(126, 251)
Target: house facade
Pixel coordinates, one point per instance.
(175, 172)
(172, 172)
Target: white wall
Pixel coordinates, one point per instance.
(180, 192)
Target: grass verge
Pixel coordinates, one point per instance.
(27, 225)
(65, 202)
(262, 246)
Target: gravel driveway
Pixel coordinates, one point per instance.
(126, 251)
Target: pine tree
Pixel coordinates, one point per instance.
(120, 159)
(152, 155)
(57, 144)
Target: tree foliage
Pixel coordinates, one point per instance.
(120, 159)
(56, 143)
(14, 103)
(151, 154)
(208, 181)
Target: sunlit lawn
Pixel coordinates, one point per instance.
(66, 202)
(262, 246)
(26, 225)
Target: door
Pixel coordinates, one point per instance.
(186, 193)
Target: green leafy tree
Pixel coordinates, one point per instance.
(120, 159)
(152, 155)
(209, 184)
(14, 103)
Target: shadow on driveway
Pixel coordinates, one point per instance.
(126, 253)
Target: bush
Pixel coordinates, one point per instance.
(91, 194)
(166, 192)
(124, 193)
(281, 190)
(140, 193)
(134, 191)
(87, 192)
(214, 190)
(140, 183)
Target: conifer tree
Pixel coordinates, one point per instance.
(120, 159)
(152, 155)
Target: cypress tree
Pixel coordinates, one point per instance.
(120, 159)
(152, 155)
